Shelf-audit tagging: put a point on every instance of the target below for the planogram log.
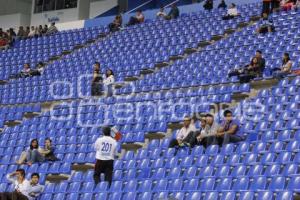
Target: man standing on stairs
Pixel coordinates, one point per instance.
(185, 135)
(105, 147)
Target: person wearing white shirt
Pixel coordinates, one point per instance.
(207, 136)
(33, 32)
(105, 148)
(285, 69)
(21, 186)
(232, 12)
(108, 81)
(185, 134)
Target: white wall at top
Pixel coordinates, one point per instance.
(61, 16)
(14, 21)
(99, 7)
(70, 25)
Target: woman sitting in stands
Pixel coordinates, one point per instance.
(32, 155)
(48, 151)
(285, 69)
(97, 80)
(108, 82)
(248, 73)
(232, 12)
(116, 24)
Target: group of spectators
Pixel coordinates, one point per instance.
(28, 72)
(102, 84)
(209, 133)
(23, 189)
(35, 153)
(36, 31)
(7, 38)
(256, 68)
(29, 189)
(140, 18)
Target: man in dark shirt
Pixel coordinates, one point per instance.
(229, 130)
(174, 12)
(208, 5)
(222, 5)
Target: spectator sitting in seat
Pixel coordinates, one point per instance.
(267, 25)
(21, 187)
(232, 12)
(194, 141)
(229, 130)
(40, 30)
(48, 151)
(12, 36)
(207, 136)
(137, 19)
(3, 39)
(52, 29)
(108, 82)
(222, 4)
(208, 5)
(32, 32)
(116, 24)
(25, 71)
(186, 135)
(285, 69)
(21, 33)
(32, 155)
(35, 188)
(253, 70)
(38, 71)
(97, 80)
(174, 12)
(45, 29)
(27, 31)
(161, 13)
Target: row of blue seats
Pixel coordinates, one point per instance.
(226, 195)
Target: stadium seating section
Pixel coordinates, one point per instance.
(264, 166)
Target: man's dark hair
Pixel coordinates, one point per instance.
(53, 23)
(139, 10)
(106, 131)
(35, 174)
(227, 112)
(22, 172)
(209, 115)
(97, 63)
(259, 51)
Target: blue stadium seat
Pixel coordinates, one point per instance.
(258, 183)
(277, 183)
(207, 184)
(223, 184)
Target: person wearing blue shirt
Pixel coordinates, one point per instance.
(229, 130)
